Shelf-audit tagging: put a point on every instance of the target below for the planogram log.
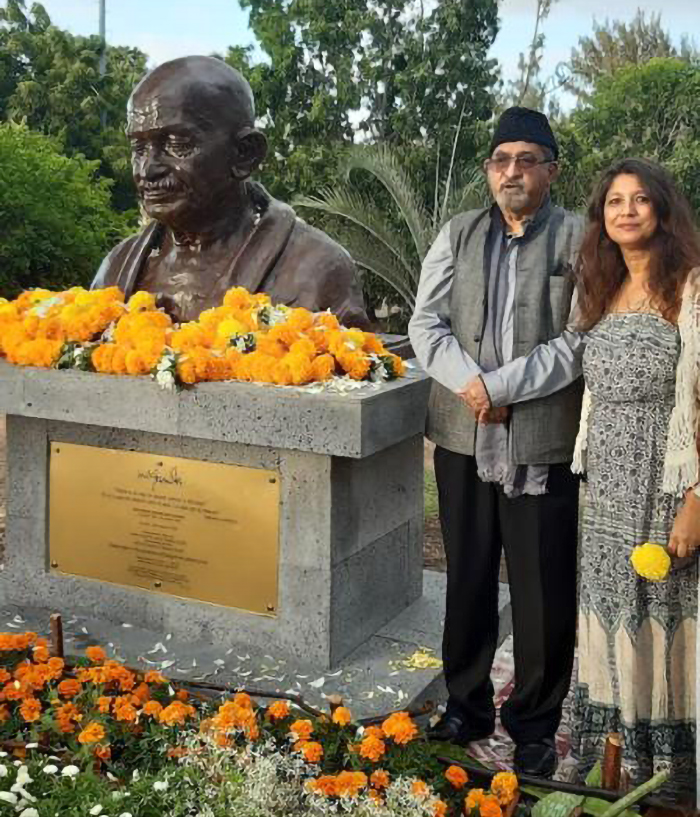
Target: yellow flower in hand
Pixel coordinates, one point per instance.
(651, 561)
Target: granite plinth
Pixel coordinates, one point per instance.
(351, 504)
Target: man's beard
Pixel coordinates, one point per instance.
(514, 199)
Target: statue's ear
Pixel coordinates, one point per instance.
(249, 152)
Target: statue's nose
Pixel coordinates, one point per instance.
(150, 164)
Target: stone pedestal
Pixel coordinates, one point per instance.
(351, 501)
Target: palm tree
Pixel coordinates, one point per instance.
(392, 245)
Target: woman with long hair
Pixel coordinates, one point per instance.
(639, 301)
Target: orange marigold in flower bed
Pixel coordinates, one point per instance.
(104, 704)
(56, 667)
(350, 784)
(93, 733)
(312, 751)
(504, 786)
(342, 716)
(374, 732)
(30, 710)
(96, 654)
(372, 748)
(325, 785)
(152, 709)
(4, 676)
(474, 800)
(279, 710)
(41, 654)
(400, 728)
(420, 789)
(440, 809)
(4, 713)
(379, 779)
(302, 729)
(103, 752)
(490, 807)
(69, 688)
(154, 677)
(124, 710)
(457, 777)
(16, 641)
(176, 712)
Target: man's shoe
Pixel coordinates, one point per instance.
(453, 729)
(537, 759)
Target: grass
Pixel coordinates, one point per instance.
(430, 494)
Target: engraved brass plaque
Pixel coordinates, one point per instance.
(199, 530)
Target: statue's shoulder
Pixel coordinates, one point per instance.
(114, 267)
(320, 249)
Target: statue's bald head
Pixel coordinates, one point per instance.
(202, 90)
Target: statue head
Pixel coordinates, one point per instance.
(191, 123)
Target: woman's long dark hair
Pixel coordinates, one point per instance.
(675, 246)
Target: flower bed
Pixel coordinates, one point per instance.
(95, 737)
(246, 338)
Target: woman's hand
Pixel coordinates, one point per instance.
(685, 536)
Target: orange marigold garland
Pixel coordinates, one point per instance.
(246, 338)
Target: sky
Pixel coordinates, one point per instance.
(165, 29)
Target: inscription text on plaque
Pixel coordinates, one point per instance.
(199, 530)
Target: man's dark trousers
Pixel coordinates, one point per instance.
(539, 535)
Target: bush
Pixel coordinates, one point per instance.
(56, 223)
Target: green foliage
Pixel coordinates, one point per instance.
(56, 219)
(50, 80)
(616, 45)
(385, 225)
(390, 70)
(650, 111)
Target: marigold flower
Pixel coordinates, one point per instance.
(278, 710)
(4, 713)
(30, 710)
(505, 786)
(342, 716)
(440, 809)
(103, 752)
(93, 733)
(325, 785)
(375, 732)
(312, 751)
(400, 728)
(651, 561)
(350, 784)
(56, 667)
(41, 654)
(457, 777)
(152, 709)
(490, 807)
(104, 704)
(474, 799)
(176, 712)
(302, 729)
(372, 748)
(69, 688)
(380, 779)
(154, 677)
(96, 654)
(420, 789)
(124, 710)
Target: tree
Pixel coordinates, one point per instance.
(615, 45)
(650, 111)
(390, 242)
(50, 79)
(392, 70)
(57, 222)
(530, 89)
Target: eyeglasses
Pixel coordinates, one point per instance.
(527, 161)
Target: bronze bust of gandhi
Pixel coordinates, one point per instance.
(191, 123)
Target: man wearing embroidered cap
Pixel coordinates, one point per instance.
(491, 327)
